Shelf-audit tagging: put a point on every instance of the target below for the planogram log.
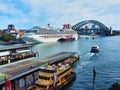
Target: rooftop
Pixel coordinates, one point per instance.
(14, 47)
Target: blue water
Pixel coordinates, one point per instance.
(106, 63)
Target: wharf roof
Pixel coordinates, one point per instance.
(14, 47)
(18, 69)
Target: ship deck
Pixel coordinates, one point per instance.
(21, 68)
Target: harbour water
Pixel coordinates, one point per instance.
(106, 63)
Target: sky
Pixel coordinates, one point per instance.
(25, 14)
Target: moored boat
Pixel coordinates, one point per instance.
(49, 35)
(54, 77)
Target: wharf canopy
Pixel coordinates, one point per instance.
(8, 50)
(15, 53)
(14, 47)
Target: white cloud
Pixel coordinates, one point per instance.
(58, 12)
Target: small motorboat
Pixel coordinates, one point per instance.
(94, 49)
(86, 37)
(93, 37)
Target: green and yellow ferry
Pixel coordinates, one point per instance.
(54, 77)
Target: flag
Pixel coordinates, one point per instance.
(94, 73)
(55, 76)
(55, 79)
(64, 26)
(94, 76)
(7, 84)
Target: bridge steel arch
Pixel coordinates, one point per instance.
(103, 29)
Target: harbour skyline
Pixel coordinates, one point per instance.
(29, 13)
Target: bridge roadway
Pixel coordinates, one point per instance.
(26, 66)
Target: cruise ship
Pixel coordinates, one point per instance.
(49, 34)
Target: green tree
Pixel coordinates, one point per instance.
(1, 32)
(7, 37)
(114, 86)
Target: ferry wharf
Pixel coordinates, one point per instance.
(22, 74)
(11, 54)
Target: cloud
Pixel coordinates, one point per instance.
(10, 14)
(28, 13)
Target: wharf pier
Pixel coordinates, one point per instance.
(24, 73)
(12, 54)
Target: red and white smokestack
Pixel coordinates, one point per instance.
(64, 26)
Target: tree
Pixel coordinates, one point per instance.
(7, 38)
(1, 32)
(114, 86)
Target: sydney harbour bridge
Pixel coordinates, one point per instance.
(89, 27)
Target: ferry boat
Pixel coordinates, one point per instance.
(54, 77)
(49, 35)
(94, 49)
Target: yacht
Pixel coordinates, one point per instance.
(50, 35)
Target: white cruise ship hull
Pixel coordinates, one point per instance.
(35, 39)
(49, 36)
